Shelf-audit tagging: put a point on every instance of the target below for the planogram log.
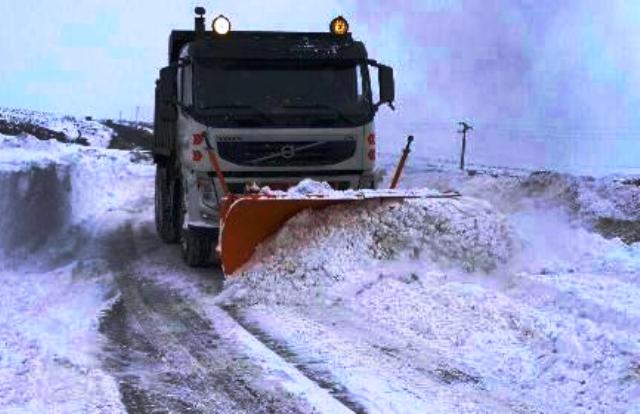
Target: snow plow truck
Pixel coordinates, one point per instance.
(239, 110)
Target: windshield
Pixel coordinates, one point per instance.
(281, 87)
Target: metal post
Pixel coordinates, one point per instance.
(465, 128)
(403, 160)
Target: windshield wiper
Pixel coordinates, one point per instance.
(255, 109)
(335, 110)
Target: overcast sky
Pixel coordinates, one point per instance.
(546, 83)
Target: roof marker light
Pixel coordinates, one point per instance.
(221, 25)
(339, 26)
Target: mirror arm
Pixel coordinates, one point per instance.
(373, 63)
(379, 104)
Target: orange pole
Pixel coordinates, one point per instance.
(213, 158)
(403, 160)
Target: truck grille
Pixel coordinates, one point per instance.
(287, 153)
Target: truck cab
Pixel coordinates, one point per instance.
(272, 107)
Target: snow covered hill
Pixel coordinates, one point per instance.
(69, 129)
(52, 126)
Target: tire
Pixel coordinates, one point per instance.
(168, 205)
(197, 247)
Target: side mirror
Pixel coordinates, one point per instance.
(386, 85)
(167, 93)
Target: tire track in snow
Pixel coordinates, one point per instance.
(167, 354)
(373, 368)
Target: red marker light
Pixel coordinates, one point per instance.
(198, 139)
(372, 154)
(371, 139)
(196, 156)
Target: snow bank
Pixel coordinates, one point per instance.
(48, 186)
(587, 198)
(316, 250)
(35, 204)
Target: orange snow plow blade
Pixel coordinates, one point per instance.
(248, 221)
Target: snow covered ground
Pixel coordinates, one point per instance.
(460, 306)
(73, 129)
(57, 200)
(503, 300)
(49, 344)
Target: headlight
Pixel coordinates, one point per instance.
(221, 25)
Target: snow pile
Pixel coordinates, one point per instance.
(317, 249)
(554, 243)
(309, 188)
(48, 186)
(380, 299)
(90, 132)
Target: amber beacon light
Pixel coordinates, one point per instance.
(339, 26)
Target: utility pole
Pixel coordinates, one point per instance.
(465, 128)
(137, 112)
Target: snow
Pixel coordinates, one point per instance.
(503, 299)
(308, 188)
(48, 327)
(511, 303)
(317, 249)
(278, 372)
(97, 177)
(611, 196)
(55, 197)
(96, 134)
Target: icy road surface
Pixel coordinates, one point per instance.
(506, 305)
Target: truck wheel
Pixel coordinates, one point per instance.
(197, 247)
(168, 199)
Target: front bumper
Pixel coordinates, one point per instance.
(203, 202)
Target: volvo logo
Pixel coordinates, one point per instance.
(287, 152)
